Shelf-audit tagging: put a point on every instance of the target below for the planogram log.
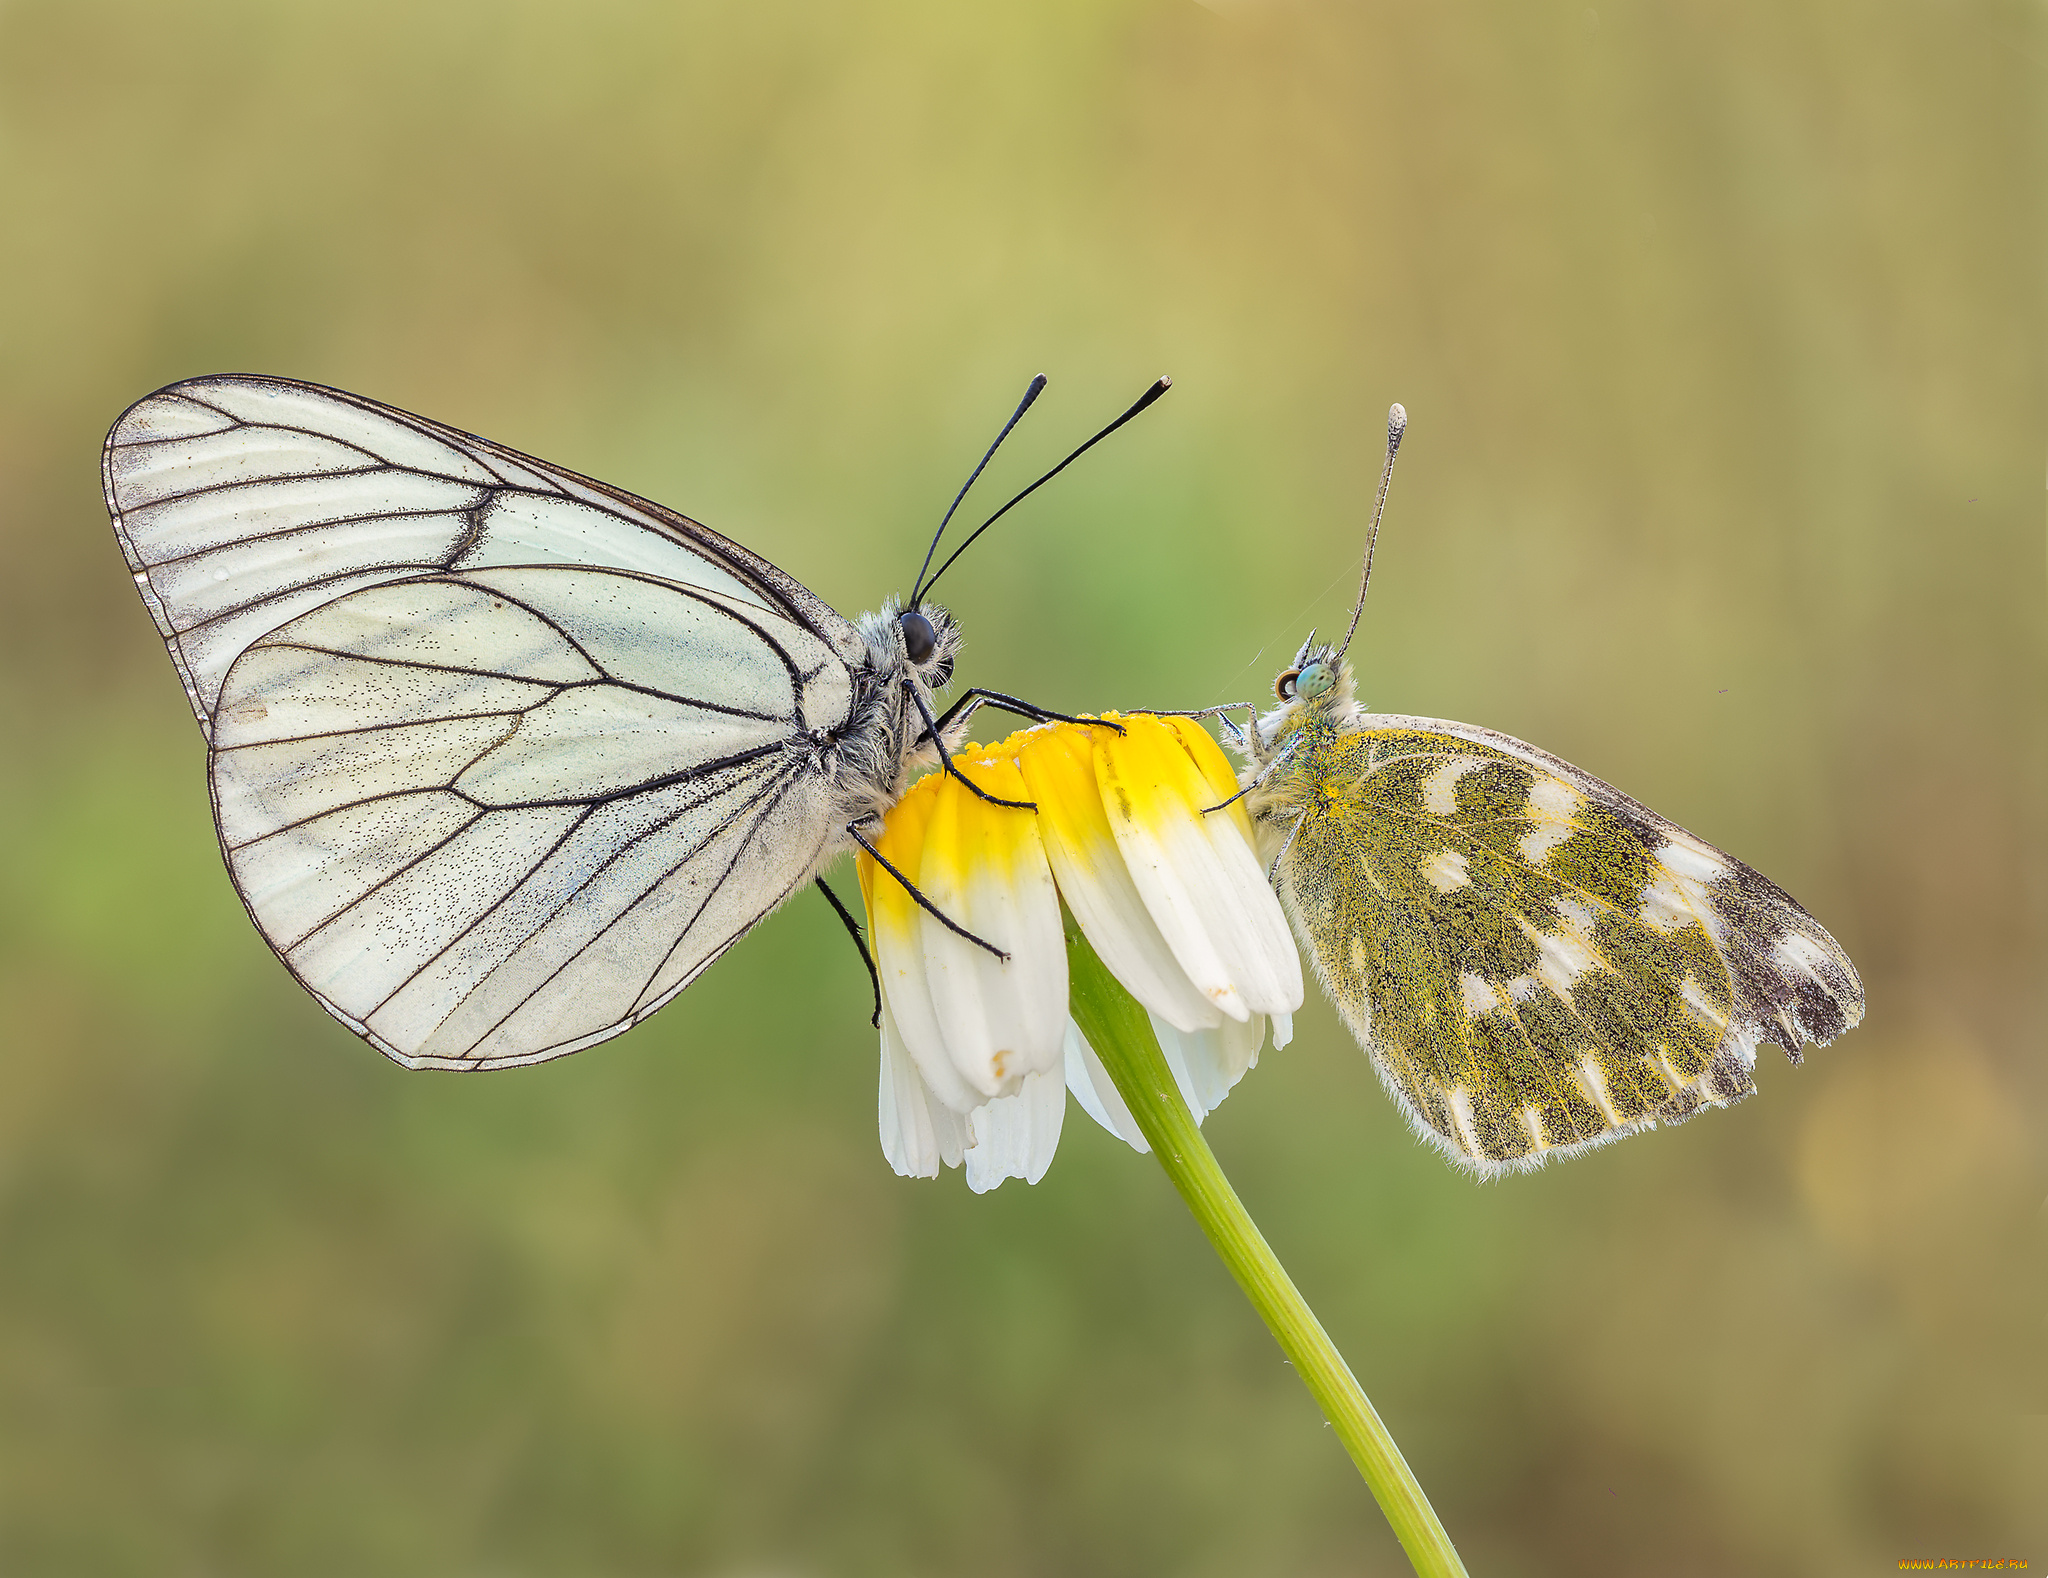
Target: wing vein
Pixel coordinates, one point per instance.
(433, 668)
(665, 781)
(309, 526)
(627, 909)
(781, 793)
(297, 824)
(392, 876)
(543, 922)
(794, 716)
(399, 723)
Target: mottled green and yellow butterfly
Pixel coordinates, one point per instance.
(1536, 963)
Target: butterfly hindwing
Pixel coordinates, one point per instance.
(1536, 962)
(489, 818)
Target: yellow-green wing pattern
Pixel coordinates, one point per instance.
(1536, 962)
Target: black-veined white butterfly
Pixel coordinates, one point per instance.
(503, 758)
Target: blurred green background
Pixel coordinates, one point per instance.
(1721, 329)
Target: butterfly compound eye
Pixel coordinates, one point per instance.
(919, 639)
(1314, 681)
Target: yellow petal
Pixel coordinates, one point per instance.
(1059, 770)
(1215, 769)
(897, 936)
(1196, 872)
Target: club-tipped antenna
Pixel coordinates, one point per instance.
(1037, 388)
(1158, 388)
(1397, 424)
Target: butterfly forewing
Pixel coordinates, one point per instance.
(1536, 962)
(502, 757)
(241, 503)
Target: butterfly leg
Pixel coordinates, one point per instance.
(853, 930)
(1262, 775)
(1196, 712)
(972, 701)
(1273, 871)
(1220, 714)
(931, 732)
(923, 903)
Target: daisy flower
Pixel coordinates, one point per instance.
(979, 1053)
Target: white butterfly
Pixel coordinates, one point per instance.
(502, 758)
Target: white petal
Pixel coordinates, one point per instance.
(1015, 1136)
(907, 1003)
(1002, 1021)
(1207, 1064)
(898, 937)
(902, 1115)
(1059, 771)
(918, 1131)
(1248, 927)
(1198, 877)
(1097, 1092)
(1126, 938)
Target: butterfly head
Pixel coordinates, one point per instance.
(1318, 670)
(1316, 688)
(929, 641)
(1309, 683)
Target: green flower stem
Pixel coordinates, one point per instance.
(1116, 1027)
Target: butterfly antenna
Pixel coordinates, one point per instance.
(1159, 388)
(1037, 388)
(1397, 424)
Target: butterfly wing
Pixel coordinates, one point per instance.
(502, 757)
(1536, 962)
(493, 817)
(242, 502)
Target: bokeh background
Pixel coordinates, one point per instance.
(1721, 328)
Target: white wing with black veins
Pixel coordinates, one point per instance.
(501, 758)
(242, 502)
